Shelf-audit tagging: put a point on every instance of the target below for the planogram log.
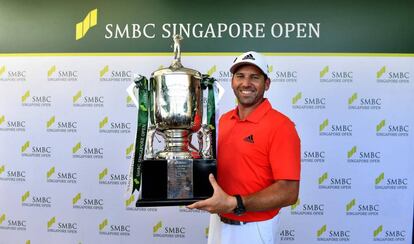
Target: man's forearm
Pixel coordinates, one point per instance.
(280, 194)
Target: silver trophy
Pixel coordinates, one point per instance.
(178, 101)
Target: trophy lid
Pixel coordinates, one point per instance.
(176, 67)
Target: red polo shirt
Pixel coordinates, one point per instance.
(254, 152)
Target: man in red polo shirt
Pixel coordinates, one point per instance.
(258, 162)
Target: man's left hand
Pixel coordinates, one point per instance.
(220, 202)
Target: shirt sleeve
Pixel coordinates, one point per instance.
(284, 155)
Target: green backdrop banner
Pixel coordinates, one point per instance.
(207, 26)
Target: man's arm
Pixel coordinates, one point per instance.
(280, 194)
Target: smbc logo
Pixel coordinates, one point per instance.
(90, 21)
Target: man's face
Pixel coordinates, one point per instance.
(249, 85)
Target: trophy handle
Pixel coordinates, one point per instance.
(149, 151)
(204, 139)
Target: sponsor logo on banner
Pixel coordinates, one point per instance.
(389, 235)
(129, 102)
(364, 103)
(129, 150)
(384, 75)
(324, 234)
(38, 201)
(56, 176)
(12, 75)
(116, 75)
(356, 156)
(67, 227)
(55, 74)
(159, 230)
(114, 229)
(283, 76)
(336, 129)
(30, 100)
(383, 128)
(12, 125)
(107, 178)
(82, 100)
(367, 209)
(88, 22)
(90, 152)
(12, 224)
(334, 183)
(53, 125)
(14, 175)
(302, 102)
(223, 76)
(390, 183)
(307, 208)
(313, 156)
(114, 127)
(79, 202)
(29, 149)
(327, 75)
(287, 234)
(130, 206)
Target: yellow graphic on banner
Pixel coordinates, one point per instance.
(381, 72)
(103, 173)
(28, 242)
(212, 70)
(50, 122)
(2, 119)
(296, 98)
(379, 178)
(380, 125)
(25, 196)
(270, 69)
(323, 125)
(321, 231)
(323, 178)
(25, 96)
(25, 146)
(2, 69)
(90, 21)
(352, 151)
(76, 147)
(103, 224)
(76, 198)
(77, 96)
(352, 98)
(103, 71)
(51, 222)
(157, 227)
(377, 231)
(129, 200)
(324, 71)
(50, 172)
(2, 218)
(51, 71)
(2, 168)
(103, 122)
(350, 205)
(129, 149)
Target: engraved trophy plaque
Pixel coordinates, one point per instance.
(179, 103)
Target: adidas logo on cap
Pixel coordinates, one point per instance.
(248, 56)
(253, 58)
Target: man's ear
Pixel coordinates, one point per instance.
(267, 84)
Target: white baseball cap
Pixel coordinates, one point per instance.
(250, 57)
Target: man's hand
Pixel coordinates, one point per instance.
(220, 202)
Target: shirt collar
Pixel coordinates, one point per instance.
(256, 115)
